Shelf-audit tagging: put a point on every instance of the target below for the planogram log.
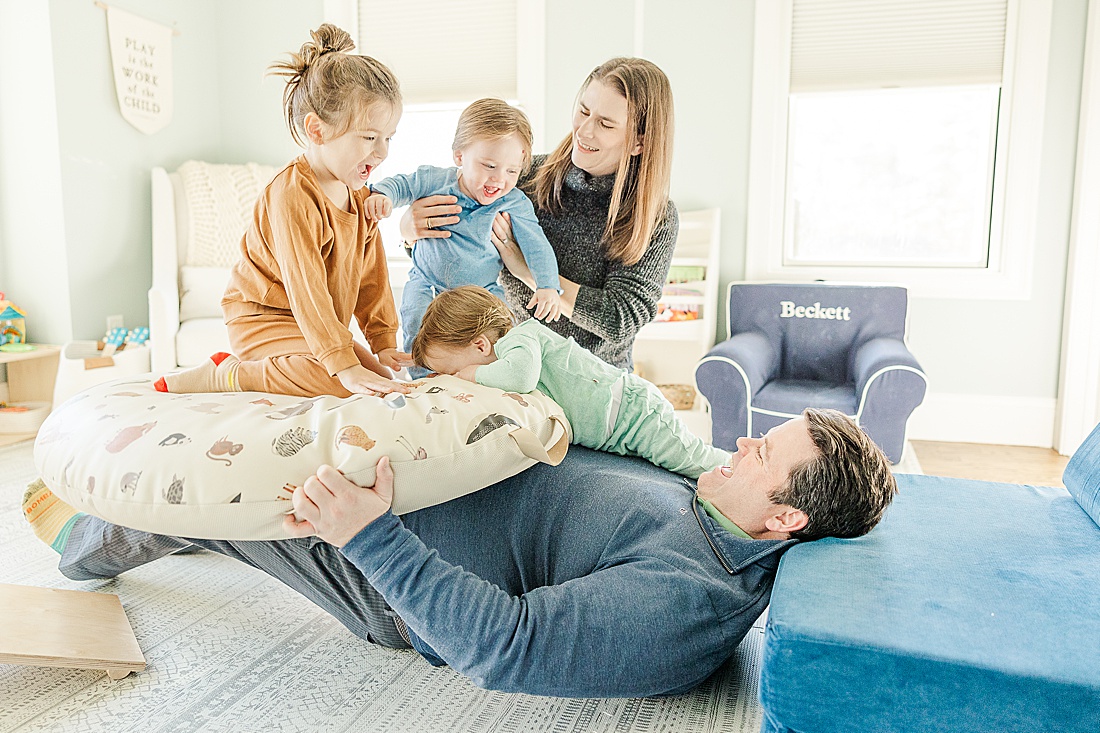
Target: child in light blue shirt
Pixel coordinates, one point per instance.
(492, 146)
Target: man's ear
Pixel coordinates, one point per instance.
(638, 143)
(314, 128)
(458, 157)
(786, 519)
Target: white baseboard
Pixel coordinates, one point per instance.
(999, 420)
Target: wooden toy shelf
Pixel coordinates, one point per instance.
(31, 376)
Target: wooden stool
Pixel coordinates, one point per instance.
(67, 628)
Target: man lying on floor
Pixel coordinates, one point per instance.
(602, 577)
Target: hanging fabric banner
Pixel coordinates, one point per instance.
(141, 53)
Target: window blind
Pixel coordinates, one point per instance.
(443, 50)
(867, 44)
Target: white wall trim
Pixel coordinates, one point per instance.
(1013, 235)
(639, 28)
(531, 66)
(995, 419)
(1079, 383)
(34, 261)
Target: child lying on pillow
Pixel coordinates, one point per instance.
(468, 332)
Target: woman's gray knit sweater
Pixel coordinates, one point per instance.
(614, 301)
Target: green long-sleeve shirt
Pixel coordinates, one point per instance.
(531, 356)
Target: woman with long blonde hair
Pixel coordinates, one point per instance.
(602, 199)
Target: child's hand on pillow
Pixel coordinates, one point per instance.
(360, 380)
(395, 359)
(467, 373)
(379, 206)
(547, 304)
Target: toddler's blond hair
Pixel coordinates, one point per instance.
(457, 317)
(493, 119)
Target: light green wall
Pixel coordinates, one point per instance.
(580, 35)
(224, 111)
(252, 34)
(105, 162)
(711, 75)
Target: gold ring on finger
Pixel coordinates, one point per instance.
(428, 223)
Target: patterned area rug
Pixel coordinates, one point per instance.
(230, 649)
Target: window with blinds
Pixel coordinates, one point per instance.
(870, 44)
(892, 123)
(444, 50)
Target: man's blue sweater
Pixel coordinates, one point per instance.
(601, 577)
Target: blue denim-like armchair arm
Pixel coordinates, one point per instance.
(729, 376)
(754, 353)
(890, 384)
(878, 354)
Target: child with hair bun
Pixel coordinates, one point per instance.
(312, 259)
(492, 147)
(468, 332)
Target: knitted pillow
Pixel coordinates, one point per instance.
(223, 466)
(220, 200)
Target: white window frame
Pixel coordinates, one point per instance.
(1016, 177)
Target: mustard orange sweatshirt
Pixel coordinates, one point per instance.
(302, 256)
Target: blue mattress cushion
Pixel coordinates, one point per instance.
(974, 606)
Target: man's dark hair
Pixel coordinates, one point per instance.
(845, 489)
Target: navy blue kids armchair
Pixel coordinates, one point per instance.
(793, 346)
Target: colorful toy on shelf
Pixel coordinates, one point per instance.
(13, 324)
(686, 274)
(677, 312)
(138, 336)
(114, 338)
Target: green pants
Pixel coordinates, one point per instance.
(647, 426)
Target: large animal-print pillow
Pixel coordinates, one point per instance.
(223, 466)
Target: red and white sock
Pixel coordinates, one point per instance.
(216, 374)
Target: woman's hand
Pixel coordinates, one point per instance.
(360, 380)
(395, 359)
(510, 254)
(334, 509)
(547, 304)
(426, 215)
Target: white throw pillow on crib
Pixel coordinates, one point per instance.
(223, 466)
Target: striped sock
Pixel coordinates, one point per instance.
(51, 519)
(217, 374)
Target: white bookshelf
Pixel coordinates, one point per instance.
(666, 351)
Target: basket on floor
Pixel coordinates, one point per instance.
(682, 396)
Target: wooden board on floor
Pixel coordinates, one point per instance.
(47, 627)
